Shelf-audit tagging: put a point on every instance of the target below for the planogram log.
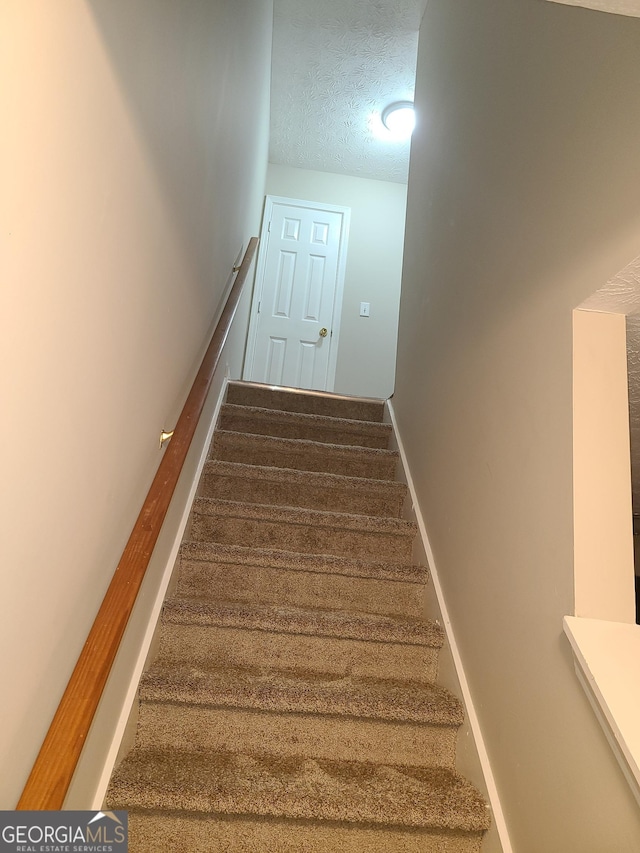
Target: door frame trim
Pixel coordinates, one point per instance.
(270, 201)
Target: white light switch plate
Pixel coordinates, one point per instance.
(364, 309)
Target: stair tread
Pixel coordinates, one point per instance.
(295, 475)
(302, 693)
(278, 416)
(303, 516)
(343, 624)
(260, 784)
(305, 445)
(299, 561)
(369, 462)
(247, 479)
(282, 398)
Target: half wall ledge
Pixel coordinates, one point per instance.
(607, 662)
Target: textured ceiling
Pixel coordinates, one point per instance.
(617, 7)
(336, 65)
(621, 295)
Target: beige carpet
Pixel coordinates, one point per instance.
(292, 704)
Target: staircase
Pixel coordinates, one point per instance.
(292, 704)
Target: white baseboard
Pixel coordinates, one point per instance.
(492, 790)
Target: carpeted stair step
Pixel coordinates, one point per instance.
(303, 693)
(239, 582)
(306, 402)
(260, 421)
(201, 782)
(288, 487)
(152, 832)
(304, 455)
(228, 634)
(346, 624)
(292, 561)
(319, 716)
(307, 530)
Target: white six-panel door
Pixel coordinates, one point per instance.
(293, 333)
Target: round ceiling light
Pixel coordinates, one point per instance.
(399, 119)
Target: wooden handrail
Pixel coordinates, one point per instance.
(51, 775)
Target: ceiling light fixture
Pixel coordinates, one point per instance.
(399, 119)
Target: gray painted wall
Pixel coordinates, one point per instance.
(523, 200)
(134, 156)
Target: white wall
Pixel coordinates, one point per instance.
(602, 514)
(367, 350)
(522, 202)
(134, 153)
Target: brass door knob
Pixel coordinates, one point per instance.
(323, 333)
